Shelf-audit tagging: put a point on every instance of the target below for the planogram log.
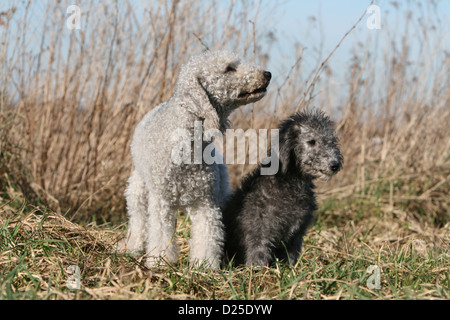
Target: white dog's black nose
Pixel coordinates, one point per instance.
(267, 75)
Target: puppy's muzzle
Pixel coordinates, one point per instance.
(335, 166)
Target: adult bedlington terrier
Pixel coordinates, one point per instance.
(209, 87)
(267, 217)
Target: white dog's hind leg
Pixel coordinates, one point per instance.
(161, 237)
(207, 235)
(136, 197)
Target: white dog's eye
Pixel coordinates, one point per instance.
(230, 68)
(312, 142)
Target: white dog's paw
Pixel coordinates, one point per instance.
(125, 246)
(156, 262)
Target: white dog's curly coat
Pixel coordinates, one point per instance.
(210, 86)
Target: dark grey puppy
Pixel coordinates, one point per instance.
(267, 217)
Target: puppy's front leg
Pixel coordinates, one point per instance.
(294, 249)
(257, 254)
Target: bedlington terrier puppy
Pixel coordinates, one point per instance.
(209, 87)
(267, 217)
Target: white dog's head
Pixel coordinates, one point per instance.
(227, 81)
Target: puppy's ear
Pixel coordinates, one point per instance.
(285, 155)
(288, 134)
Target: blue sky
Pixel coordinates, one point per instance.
(336, 17)
(292, 23)
(309, 22)
(333, 18)
(292, 20)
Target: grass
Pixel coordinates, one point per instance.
(38, 246)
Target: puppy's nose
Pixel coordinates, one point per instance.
(267, 75)
(335, 166)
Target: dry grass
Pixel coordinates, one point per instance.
(68, 110)
(38, 247)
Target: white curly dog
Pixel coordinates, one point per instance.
(209, 87)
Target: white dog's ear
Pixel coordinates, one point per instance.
(201, 106)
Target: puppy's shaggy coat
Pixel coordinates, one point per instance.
(210, 86)
(268, 216)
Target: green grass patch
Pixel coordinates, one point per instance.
(38, 246)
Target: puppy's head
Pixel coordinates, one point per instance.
(309, 146)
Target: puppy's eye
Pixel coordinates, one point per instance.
(230, 68)
(312, 142)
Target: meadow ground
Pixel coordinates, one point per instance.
(38, 246)
(70, 100)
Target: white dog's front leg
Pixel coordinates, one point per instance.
(207, 235)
